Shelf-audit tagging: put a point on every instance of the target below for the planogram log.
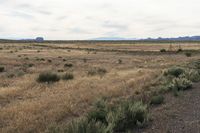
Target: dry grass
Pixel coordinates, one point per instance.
(29, 106)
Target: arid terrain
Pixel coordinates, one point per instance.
(111, 71)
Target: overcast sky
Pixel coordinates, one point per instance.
(86, 19)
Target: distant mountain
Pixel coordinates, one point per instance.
(113, 38)
(185, 38)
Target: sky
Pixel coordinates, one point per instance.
(87, 19)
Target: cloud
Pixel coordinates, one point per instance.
(109, 24)
(84, 19)
(21, 15)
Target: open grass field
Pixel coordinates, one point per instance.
(111, 71)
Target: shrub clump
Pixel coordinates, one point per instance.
(192, 75)
(2, 68)
(48, 77)
(159, 99)
(99, 112)
(179, 50)
(174, 71)
(128, 116)
(180, 84)
(68, 76)
(68, 65)
(102, 119)
(188, 54)
(163, 50)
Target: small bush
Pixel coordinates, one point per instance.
(30, 65)
(42, 59)
(60, 70)
(48, 77)
(192, 75)
(179, 50)
(179, 84)
(2, 68)
(157, 100)
(188, 54)
(68, 65)
(64, 60)
(128, 116)
(163, 50)
(174, 71)
(68, 76)
(99, 112)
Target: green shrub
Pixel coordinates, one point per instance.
(179, 84)
(159, 99)
(49, 60)
(128, 116)
(175, 71)
(188, 54)
(85, 126)
(48, 77)
(163, 50)
(192, 75)
(99, 112)
(68, 76)
(30, 65)
(195, 64)
(68, 65)
(163, 88)
(2, 68)
(179, 50)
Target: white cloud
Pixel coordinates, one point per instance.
(84, 19)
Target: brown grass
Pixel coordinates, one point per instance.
(28, 106)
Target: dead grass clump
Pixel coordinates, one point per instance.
(97, 71)
(68, 76)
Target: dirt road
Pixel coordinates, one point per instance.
(178, 114)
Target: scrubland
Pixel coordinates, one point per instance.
(86, 72)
